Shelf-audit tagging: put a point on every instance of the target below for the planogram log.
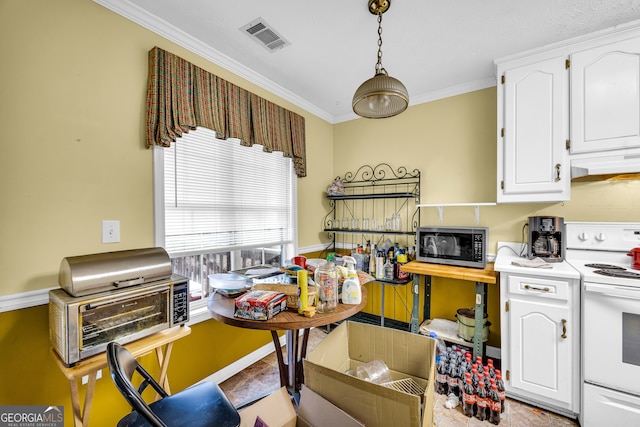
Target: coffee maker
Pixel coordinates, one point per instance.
(546, 240)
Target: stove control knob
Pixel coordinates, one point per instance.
(584, 236)
(601, 237)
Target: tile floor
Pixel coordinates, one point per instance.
(262, 377)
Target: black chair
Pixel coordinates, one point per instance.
(203, 404)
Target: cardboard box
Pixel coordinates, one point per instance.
(410, 358)
(277, 410)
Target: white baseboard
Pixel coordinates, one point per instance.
(24, 300)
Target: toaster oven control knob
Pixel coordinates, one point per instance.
(601, 237)
(584, 236)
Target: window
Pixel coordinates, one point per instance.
(221, 206)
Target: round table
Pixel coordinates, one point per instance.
(291, 374)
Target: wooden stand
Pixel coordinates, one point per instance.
(482, 277)
(92, 365)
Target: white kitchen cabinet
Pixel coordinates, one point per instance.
(605, 97)
(533, 163)
(568, 110)
(540, 334)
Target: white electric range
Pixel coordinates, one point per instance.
(610, 312)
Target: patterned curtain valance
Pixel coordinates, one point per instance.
(181, 96)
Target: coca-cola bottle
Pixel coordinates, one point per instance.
(479, 363)
(492, 370)
(501, 392)
(482, 402)
(468, 398)
(474, 377)
(452, 379)
(494, 405)
(442, 385)
(460, 375)
(486, 377)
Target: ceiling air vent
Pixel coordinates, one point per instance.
(264, 34)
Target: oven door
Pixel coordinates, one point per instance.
(611, 316)
(124, 318)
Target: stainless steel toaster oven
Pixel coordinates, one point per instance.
(82, 326)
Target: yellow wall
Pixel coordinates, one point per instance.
(72, 90)
(72, 102)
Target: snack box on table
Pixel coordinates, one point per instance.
(407, 401)
(260, 305)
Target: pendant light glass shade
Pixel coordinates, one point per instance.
(379, 97)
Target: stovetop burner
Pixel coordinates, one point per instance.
(605, 266)
(617, 272)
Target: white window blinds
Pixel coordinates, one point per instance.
(220, 195)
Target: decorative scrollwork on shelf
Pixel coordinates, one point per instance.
(380, 172)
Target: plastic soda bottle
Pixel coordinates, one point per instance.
(482, 402)
(442, 384)
(474, 377)
(501, 391)
(494, 405)
(452, 378)
(468, 397)
(492, 370)
(460, 375)
(441, 347)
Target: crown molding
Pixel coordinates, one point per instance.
(164, 29)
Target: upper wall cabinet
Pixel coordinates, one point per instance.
(533, 161)
(568, 110)
(605, 97)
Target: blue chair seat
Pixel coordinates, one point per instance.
(201, 405)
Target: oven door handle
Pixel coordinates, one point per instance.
(612, 290)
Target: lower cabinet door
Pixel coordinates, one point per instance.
(540, 349)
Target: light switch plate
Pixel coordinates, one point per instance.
(110, 231)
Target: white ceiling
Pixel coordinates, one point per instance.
(436, 48)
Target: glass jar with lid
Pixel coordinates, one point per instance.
(326, 279)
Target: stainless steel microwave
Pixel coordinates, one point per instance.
(459, 246)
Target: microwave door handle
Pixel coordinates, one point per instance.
(613, 291)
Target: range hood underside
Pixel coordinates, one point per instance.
(604, 168)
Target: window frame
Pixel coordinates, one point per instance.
(198, 308)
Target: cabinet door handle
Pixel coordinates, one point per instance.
(564, 329)
(557, 172)
(535, 288)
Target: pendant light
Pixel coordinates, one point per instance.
(382, 95)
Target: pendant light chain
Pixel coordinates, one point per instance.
(379, 68)
(382, 95)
